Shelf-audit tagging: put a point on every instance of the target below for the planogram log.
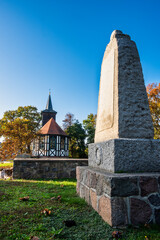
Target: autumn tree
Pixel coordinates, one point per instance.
(89, 126)
(77, 140)
(153, 92)
(19, 128)
(68, 121)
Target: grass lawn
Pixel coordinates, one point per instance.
(23, 219)
(6, 165)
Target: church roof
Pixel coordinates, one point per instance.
(52, 128)
(49, 107)
(49, 103)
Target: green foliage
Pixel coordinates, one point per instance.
(6, 165)
(18, 128)
(78, 134)
(90, 125)
(77, 140)
(21, 220)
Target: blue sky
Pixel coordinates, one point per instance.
(59, 45)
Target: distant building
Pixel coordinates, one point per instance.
(52, 141)
(48, 113)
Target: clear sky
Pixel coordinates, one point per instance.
(59, 45)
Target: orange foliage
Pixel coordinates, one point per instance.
(19, 128)
(8, 149)
(153, 92)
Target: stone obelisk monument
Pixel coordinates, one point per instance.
(122, 180)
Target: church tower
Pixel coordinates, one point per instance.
(48, 113)
(51, 140)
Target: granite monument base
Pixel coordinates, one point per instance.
(125, 155)
(121, 198)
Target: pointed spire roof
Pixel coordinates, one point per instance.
(52, 128)
(49, 107)
(49, 103)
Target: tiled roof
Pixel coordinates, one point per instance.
(52, 128)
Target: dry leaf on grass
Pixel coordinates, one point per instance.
(46, 212)
(53, 198)
(117, 234)
(58, 198)
(34, 238)
(24, 198)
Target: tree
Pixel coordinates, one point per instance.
(68, 121)
(153, 92)
(19, 128)
(90, 125)
(77, 140)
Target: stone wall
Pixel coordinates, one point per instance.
(123, 198)
(46, 168)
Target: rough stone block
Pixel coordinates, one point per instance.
(119, 212)
(148, 185)
(107, 183)
(118, 196)
(154, 199)
(92, 179)
(93, 199)
(104, 209)
(157, 216)
(140, 211)
(99, 186)
(85, 193)
(126, 155)
(78, 188)
(124, 186)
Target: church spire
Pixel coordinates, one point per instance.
(48, 113)
(49, 103)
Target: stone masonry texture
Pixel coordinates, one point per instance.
(123, 110)
(122, 181)
(46, 169)
(126, 155)
(121, 198)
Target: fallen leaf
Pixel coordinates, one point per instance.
(59, 197)
(46, 212)
(34, 238)
(52, 198)
(117, 234)
(24, 198)
(62, 185)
